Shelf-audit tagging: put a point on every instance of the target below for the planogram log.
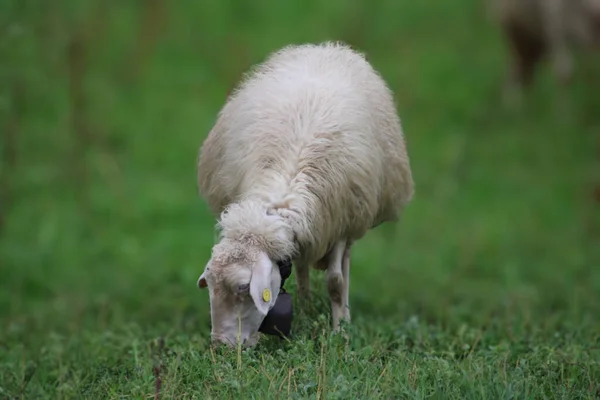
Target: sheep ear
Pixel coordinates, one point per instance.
(260, 285)
(202, 280)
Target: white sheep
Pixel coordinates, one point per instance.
(305, 157)
(538, 28)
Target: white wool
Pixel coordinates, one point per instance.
(307, 150)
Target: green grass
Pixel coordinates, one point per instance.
(489, 287)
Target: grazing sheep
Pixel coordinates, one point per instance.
(538, 28)
(305, 157)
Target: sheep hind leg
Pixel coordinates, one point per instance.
(338, 280)
(346, 275)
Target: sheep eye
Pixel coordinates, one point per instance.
(243, 288)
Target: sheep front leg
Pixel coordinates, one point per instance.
(338, 282)
(526, 51)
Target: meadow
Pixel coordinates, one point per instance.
(487, 288)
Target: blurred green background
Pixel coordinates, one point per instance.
(488, 287)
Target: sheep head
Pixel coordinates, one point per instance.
(243, 284)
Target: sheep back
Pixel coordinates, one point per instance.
(313, 134)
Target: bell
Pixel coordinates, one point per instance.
(278, 321)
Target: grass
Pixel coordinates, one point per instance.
(489, 287)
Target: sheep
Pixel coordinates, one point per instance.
(304, 158)
(538, 28)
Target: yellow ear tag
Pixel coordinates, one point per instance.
(266, 295)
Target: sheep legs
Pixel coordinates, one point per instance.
(338, 282)
(526, 52)
(527, 49)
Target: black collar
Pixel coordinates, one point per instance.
(285, 269)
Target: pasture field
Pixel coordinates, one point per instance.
(488, 287)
